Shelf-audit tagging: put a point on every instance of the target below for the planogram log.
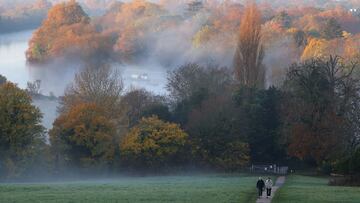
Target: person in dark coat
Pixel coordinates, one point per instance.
(260, 186)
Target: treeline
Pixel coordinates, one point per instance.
(23, 16)
(136, 31)
(19, 15)
(208, 121)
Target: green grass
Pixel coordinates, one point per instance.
(305, 189)
(205, 188)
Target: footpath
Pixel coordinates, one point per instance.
(279, 182)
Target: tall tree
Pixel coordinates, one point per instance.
(249, 53)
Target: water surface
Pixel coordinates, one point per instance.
(56, 76)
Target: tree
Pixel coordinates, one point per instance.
(283, 19)
(84, 137)
(202, 37)
(299, 38)
(212, 130)
(321, 48)
(191, 84)
(154, 144)
(33, 88)
(259, 121)
(101, 85)
(91, 107)
(2, 79)
(21, 132)
(66, 31)
(319, 111)
(141, 103)
(331, 29)
(188, 79)
(249, 52)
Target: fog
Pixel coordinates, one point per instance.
(58, 74)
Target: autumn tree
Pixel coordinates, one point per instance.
(101, 85)
(66, 30)
(320, 109)
(92, 118)
(21, 133)
(84, 137)
(322, 48)
(135, 22)
(249, 52)
(154, 144)
(283, 19)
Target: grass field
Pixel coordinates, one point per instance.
(304, 189)
(205, 188)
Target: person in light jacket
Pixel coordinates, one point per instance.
(268, 186)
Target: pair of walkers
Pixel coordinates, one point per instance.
(261, 185)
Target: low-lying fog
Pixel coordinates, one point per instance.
(56, 76)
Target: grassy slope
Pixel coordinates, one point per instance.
(304, 189)
(211, 188)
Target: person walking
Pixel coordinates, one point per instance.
(260, 186)
(268, 186)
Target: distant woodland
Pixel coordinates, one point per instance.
(198, 32)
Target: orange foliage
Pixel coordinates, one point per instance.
(86, 133)
(66, 30)
(249, 51)
(317, 140)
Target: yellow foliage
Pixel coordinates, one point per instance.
(202, 36)
(321, 48)
(152, 143)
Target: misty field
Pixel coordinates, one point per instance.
(204, 188)
(305, 189)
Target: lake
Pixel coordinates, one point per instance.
(55, 77)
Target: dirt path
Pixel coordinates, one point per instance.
(279, 182)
